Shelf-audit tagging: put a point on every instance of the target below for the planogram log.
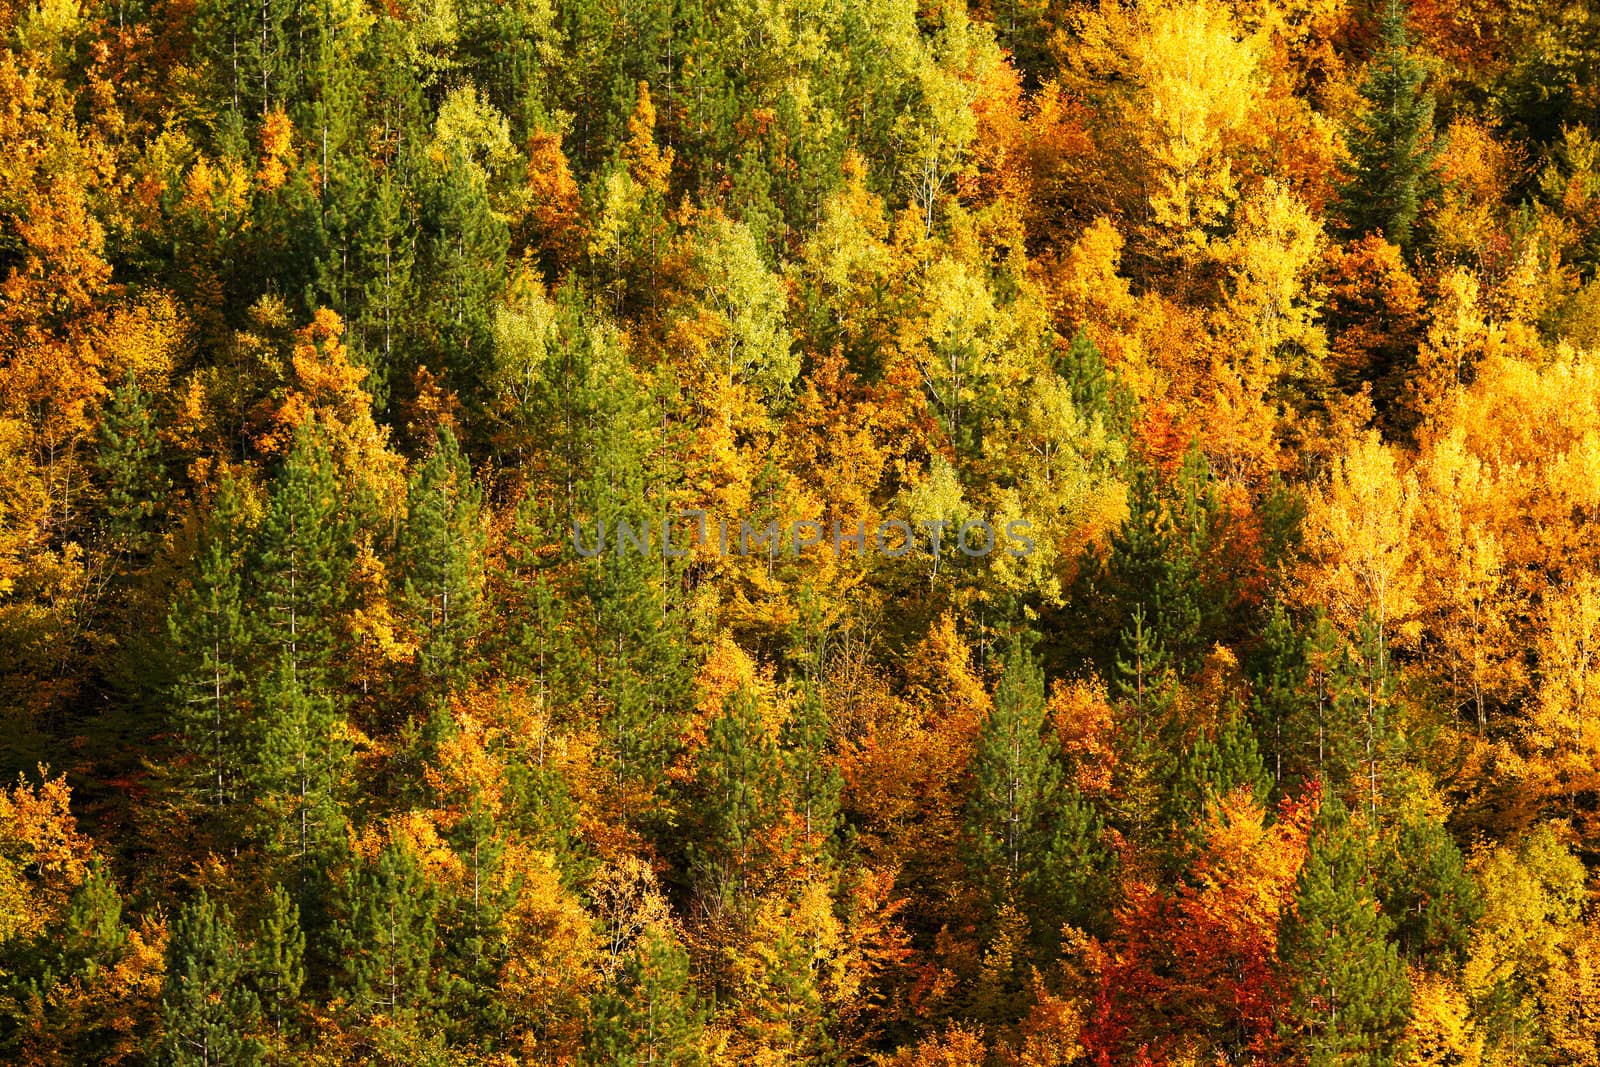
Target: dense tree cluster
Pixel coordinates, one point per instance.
(323, 326)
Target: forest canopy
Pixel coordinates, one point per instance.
(1263, 338)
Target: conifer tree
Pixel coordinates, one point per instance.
(810, 774)
(1351, 996)
(208, 1011)
(207, 633)
(299, 773)
(1392, 147)
(1210, 769)
(442, 548)
(297, 585)
(387, 937)
(277, 972)
(649, 1013)
(131, 471)
(738, 787)
(1425, 887)
(1014, 781)
(1145, 686)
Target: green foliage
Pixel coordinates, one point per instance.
(207, 1010)
(1351, 994)
(649, 1012)
(442, 546)
(1393, 145)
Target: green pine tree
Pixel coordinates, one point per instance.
(207, 636)
(277, 972)
(208, 1012)
(442, 548)
(1392, 146)
(1014, 781)
(387, 938)
(810, 774)
(1210, 769)
(297, 588)
(301, 768)
(131, 472)
(1425, 886)
(1351, 995)
(649, 1012)
(737, 803)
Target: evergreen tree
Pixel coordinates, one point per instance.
(810, 774)
(1366, 685)
(131, 471)
(649, 1012)
(1014, 781)
(207, 633)
(1425, 887)
(1280, 700)
(472, 925)
(463, 267)
(300, 771)
(1096, 391)
(536, 638)
(442, 547)
(298, 586)
(387, 939)
(1351, 996)
(1392, 147)
(1074, 882)
(208, 1012)
(277, 971)
(1144, 688)
(738, 801)
(1210, 769)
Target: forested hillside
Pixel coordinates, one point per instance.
(355, 357)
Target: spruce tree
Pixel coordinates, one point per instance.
(1351, 996)
(208, 1011)
(1392, 146)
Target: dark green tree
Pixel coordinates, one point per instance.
(1351, 995)
(1425, 887)
(1014, 782)
(277, 972)
(737, 803)
(649, 1012)
(297, 588)
(131, 472)
(811, 776)
(207, 636)
(1392, 145)
(442, 548)
(209, 1013)
(387, 939)
(1211, 768)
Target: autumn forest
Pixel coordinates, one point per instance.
(355, 357)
